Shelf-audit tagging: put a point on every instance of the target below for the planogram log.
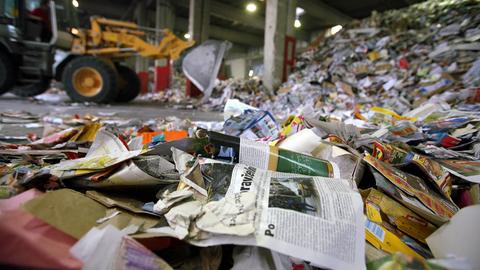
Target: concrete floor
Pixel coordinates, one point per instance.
(61, 105)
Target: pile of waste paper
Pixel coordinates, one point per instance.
(249, 91)
(98, 193)
(397, 60)
(375, 166)
(174, 95)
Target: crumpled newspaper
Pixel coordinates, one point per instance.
(234, 215)
(170, 198)
(180, 217)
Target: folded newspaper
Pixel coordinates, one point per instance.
(109, 163)
(316, 219)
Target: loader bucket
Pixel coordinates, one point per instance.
(201, 65)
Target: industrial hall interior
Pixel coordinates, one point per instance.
(240, 134)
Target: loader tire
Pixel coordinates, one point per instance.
(8, 72)
(129, 84)
(31, 90)
(90, 79)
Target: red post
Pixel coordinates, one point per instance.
(191, 90)
(143, 77)
(162, 74)
(289, 56)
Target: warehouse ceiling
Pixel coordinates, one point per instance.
(362, 9)
(230, 20)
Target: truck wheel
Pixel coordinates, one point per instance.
(31, 90)
(129, 84)
(90, 79)
(8, 73)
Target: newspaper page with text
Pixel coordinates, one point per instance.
(316, 219)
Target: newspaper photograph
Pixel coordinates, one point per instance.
(313, 218)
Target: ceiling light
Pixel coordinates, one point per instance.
(336, 29)
(75, 3)
(74, 31)
(251, 7)
(297, 23)
(299, 11)
(187, 36)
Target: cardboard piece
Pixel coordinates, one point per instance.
(67, 210)
(75, 214)
(126, 203)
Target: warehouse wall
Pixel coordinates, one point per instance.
(237, 67)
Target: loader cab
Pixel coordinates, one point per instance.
(30, 32)
(24, 20)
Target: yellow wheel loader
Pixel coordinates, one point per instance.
(36, 49)
(94, 72)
